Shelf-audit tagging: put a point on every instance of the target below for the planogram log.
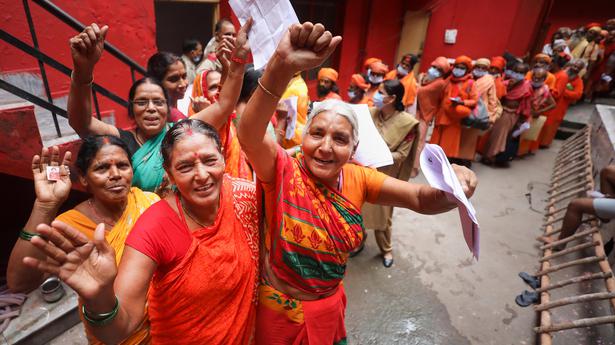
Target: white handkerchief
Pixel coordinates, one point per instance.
(372, 150)
(440, 175)
(271, 20)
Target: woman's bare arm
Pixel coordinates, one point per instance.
(86, 49)
(302, 47)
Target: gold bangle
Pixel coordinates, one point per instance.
(72, 79)
(267, 91)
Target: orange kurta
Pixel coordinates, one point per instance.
(447, 130)
(564, 96)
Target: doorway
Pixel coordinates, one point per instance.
(413, 34)
(180, 20)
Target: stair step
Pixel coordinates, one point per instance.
(40, 322)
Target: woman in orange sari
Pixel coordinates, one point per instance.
(313, 201)
(429, 102)
(104, 166)
(197, 273)
(460, 97)
(569, 89)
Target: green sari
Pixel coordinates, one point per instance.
(147, 163)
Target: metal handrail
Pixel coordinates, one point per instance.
(24, 47)
(77, 25)
(5, 85)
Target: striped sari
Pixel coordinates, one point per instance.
(312, 228)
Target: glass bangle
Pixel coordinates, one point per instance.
(101, 319)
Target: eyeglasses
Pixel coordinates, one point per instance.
(142, 103)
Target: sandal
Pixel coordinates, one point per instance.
(527, 298)
(532, 281)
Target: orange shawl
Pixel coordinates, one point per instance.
(210, 296)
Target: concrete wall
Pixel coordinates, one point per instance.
(603, 154)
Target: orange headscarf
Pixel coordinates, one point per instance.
(358, 81)
(442, 63)
(328, 73)
(370, 61)
(542, 57)
(379, 67)
(464, 60)
(498, 62)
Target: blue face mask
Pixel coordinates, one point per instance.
(459, 72)
(479, 73)
(433, 73)
(378, 100)
(401, 70)
(537, 84)
(351, 94)
(197, 59)
(375, 79)
(508, 72)
(517, 76)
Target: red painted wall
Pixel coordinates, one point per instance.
(578, 13)
(485, 28)
(132, 30)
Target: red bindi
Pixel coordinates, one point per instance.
(106, 141)
(189, 131)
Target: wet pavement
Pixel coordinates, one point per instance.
(435, 293)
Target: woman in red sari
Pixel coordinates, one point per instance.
(192, 256)
(313, 200)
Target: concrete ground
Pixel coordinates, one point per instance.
(435, 293)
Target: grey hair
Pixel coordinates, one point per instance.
(340, 108)
(578, 61)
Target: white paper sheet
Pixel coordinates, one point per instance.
(372, 150)
(291, 116)
(271, 20)
(440, 174)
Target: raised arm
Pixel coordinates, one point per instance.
(86, 49)
(50, 195)
(303, 47)
(217, 114)
(89, 268)
(422, 198)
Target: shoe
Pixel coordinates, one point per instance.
(532, 281)
(387, 262)
(527, 298)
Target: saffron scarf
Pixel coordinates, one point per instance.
(138, 202)
(521, 92)
(313, 229)
(147, 163)
(210, 296)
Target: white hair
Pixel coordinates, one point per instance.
(340, 108)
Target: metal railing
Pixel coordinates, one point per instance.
(43, 60)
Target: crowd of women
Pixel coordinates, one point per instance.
(211, 221)
(213, 229)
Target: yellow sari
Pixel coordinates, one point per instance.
(138, 202)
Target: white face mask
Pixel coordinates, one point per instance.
(459, 72)
(479, 73)
(351, 94)
(375, 79)
(401, 70)
(197, 59)
(433, 73)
